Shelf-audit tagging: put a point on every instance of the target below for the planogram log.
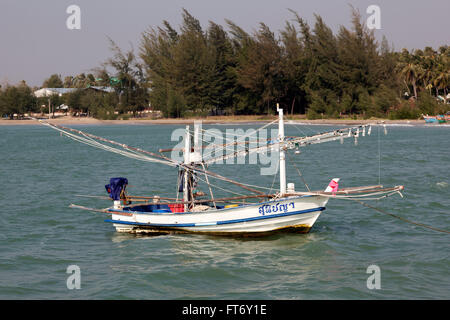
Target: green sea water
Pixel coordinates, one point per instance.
(41, 173)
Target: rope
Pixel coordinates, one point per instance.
(216, 186)
(240, 138)
(300, 130)
(207, 181)
(400, 218)
(130, 152)
(83, 138)
(274, 176)
(136, 154)
(298, 171)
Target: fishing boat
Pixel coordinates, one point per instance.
(436, 119)
(430, 119)
(255, 212)
(441, 118)
(447, 116)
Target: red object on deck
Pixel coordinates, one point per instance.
(176, 207)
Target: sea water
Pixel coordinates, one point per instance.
(42, 240)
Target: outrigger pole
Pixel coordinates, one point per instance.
(351, 193)
(281, 150)
(83, 137)
(143, 155)
(187, 152)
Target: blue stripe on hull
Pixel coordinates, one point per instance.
(224, 209)
(180, 225)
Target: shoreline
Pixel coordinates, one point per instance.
(211, 120)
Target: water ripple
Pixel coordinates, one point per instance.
(42, 236)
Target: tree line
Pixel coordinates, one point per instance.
(307, 69)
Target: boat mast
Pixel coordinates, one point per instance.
(187, 152)
(282, 152)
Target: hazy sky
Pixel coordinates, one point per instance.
(35, 42)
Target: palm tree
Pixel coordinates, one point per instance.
(428, 64)
(442, 81)
(411, 73)
(68, 81)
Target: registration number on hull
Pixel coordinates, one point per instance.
(275, 208)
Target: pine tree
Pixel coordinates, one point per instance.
(54, 81)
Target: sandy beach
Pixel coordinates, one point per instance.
(210, 120)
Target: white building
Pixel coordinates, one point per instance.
(46, 92)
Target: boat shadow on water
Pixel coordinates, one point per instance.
(263, 236)
(300, 235)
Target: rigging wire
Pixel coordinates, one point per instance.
(274, 176)
(91, 142)
(401, 218)
(298, 129)
(297, 126)
(298, 171)
(220, 188)
(233, 142)
(209, 186)
(136, 154)
(245, 184)
(379, 156)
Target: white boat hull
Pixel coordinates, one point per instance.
(294, 214)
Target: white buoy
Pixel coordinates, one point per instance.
(385, 129)
(369, 131)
